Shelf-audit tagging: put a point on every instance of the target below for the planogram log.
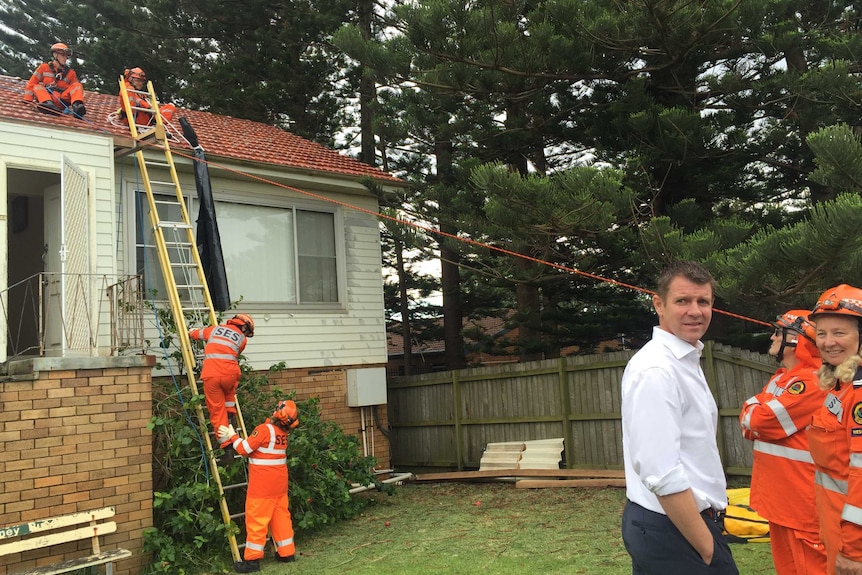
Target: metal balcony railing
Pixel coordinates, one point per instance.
(100, 314)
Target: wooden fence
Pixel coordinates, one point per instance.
(446, 419)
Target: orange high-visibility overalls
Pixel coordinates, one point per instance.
(59, 85)
(782, 480)
(835, 441)
(221, 372)
(266, 503)
(142, 117)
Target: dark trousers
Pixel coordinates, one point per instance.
(658, 548)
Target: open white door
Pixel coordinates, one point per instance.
(4, 262)
(52, 301)
(75, 279)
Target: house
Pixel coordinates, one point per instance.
(298, 231)
(79, 276)
(488, 340)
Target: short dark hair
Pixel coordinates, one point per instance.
(690, 270)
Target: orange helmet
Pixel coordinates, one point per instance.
(796, 320)
(136, 74)
(286, 413)
(839, 300)
(62, 48)
(244, 322)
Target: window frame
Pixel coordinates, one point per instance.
(286, 202)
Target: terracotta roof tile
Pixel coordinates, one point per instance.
(222, 136)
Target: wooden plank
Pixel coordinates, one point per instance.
(544, 483)
(495, 473)
(77, 564)
(56, 538)
(55, 522)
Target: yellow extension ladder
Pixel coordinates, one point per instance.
(180, 264)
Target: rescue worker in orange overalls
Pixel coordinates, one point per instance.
(266, 503)
(782, 478)
(221, 372)
(135, 80)
(835, 434)
(55, 86)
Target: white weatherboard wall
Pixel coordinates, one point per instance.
(40, 148)
(352, 334)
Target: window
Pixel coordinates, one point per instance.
(147, 256)
(315, 239)
(272, 254)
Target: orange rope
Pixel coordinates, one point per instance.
(438, 232)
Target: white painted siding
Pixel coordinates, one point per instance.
(39, 148)
(301, 336)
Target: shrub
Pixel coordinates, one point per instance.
(189, 534)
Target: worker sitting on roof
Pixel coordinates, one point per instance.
(136, 82)
(55, 86)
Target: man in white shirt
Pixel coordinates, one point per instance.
(675, 483)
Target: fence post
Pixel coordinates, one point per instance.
(567, 411)
(456, 399)
(709, 368)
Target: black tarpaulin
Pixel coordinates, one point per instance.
(208, 239)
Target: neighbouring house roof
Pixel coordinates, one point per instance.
(220, 136)
(488, 326)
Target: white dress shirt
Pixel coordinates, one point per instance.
(669, 426)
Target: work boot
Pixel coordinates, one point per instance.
(229, 455)
(252, 566)
(78, 108)
(280, 559)
(48, 107)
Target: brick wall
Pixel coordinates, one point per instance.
(330, 386)
(74, 437)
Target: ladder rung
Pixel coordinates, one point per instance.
(237, 515)
(194, 309)
(158, 164)
(177, 244)
(149, 133)
(178, 225)
(234, 486)
(163, 183)
(183, 265)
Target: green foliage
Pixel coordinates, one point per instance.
(188, 534)
(837, 151)
(324, 463)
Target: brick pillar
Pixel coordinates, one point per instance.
(74, 437)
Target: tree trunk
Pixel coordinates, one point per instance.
(529, 308)
(406, 331)
(367, 91)
(450, 272)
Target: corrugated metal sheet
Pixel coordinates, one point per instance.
(532, 454)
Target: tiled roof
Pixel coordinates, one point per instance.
(222, 136)
(487, 326)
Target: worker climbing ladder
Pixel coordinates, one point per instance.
(185, 282)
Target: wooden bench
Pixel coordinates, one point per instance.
(63, 529)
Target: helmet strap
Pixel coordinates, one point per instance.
(784, 344)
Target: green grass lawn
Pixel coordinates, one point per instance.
(483, 529)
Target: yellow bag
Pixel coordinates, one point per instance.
(742, 524)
